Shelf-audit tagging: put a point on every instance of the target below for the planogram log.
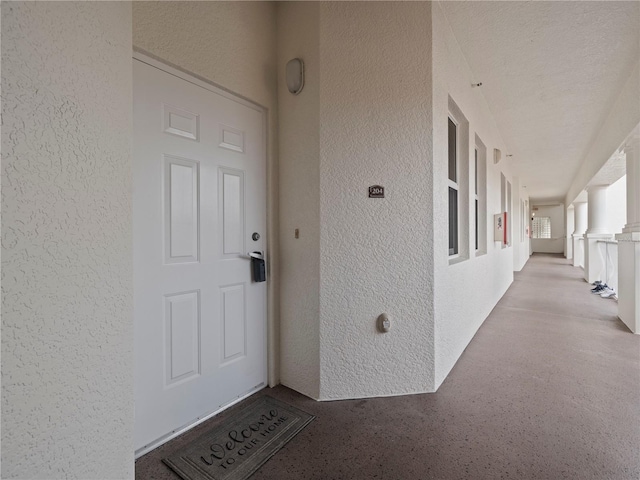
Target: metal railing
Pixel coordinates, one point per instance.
(609, 251)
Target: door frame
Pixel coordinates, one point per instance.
(271, 344)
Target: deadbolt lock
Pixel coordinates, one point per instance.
(255, 236)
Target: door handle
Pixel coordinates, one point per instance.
(250, 255)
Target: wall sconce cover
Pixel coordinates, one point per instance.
(295, 75)
(497, 155)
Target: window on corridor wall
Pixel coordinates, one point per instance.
(503, 199)
(453, 188)
(480, 196)
(541, 227)
(509, 216)
(522, 221)
(459, 185)
(475, 196)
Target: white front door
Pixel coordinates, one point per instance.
(199, 205)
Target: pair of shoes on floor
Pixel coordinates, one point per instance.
(596, 283)
(600, 288)
(609, 293)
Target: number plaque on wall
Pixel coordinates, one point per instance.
(376, 191)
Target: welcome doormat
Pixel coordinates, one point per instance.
(238, 447)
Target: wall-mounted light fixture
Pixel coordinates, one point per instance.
(295, 75)
(497, 156)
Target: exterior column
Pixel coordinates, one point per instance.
(570, 226)
(632, 152)
(597, 209)
(580, 213)
(594, 261)
(629, 244)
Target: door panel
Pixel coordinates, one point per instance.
(182, 320)
(181, 210)
(199, 172)
(232, 211)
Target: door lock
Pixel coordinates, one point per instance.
(255, 236)
(258, 267)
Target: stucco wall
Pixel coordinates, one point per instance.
(466, 291)
(67, 327)
(232, 44)
(375, 113)
(299, 138)
(375, 254)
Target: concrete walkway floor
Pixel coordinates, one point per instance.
(549, 388)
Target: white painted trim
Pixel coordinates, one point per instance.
(196, 80)
(197, 421)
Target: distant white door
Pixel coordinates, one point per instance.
(199, 200)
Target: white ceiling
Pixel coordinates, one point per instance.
(550, 72)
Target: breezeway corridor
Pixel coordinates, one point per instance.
(549, 388)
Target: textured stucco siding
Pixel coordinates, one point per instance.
(232, 44)
(467, 291)
(375, 254)
(299, 139)
(67, 327)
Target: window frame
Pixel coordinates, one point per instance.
(481, 196)
(509, 205)
(476, 199)
(453, 185)
(522, 221)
